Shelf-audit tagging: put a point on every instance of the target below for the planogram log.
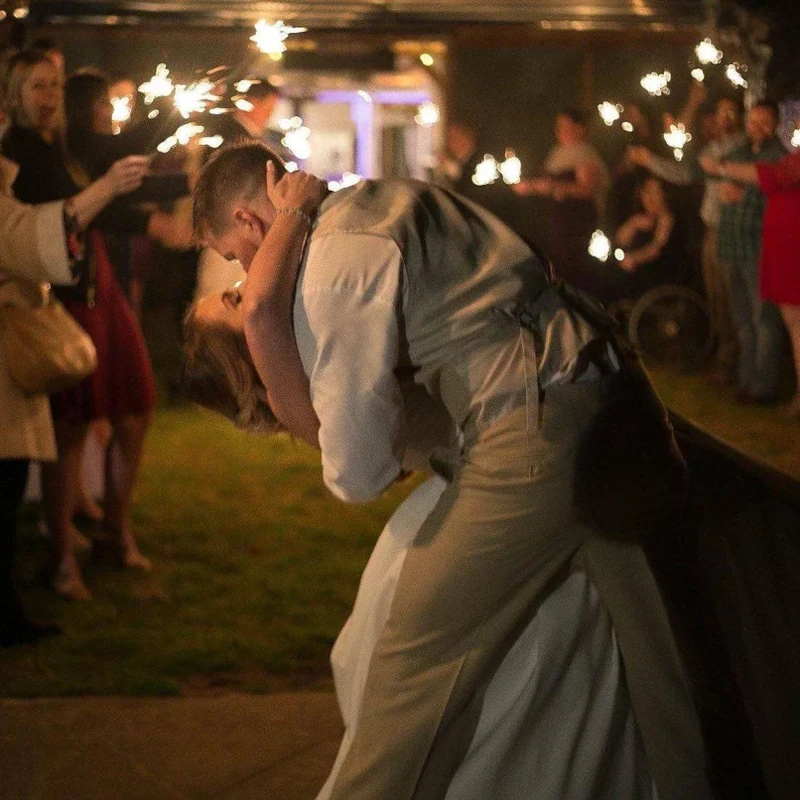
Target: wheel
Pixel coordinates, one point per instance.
(671, 325)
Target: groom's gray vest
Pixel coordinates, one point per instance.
(460, 265)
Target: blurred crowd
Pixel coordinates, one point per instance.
(719, 216)
(723, 219)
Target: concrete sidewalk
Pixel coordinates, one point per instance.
(272, 747)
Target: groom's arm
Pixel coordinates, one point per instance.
(347, 334)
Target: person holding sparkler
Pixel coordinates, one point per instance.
(576, 182)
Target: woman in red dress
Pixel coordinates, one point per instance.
(780, 246)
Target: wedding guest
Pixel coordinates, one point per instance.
(37, 243)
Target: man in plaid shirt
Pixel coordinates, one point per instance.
(758, 324)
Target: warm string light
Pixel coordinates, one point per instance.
(796, 138)
(609, 112)
(707, 52)
(698, 74)
(627, 127)
(656, 83)
(270, 38)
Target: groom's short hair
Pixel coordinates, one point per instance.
(235, 172)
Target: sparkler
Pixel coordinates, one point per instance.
(296, 137)
(486, 171)
(181, 136)
(212, 141)
(194, 98)
(677, 138)
(733, 72)
(270, 38)
(707, 52)
(244, 85)
(698, 74)
(511, 167)
(121, 111)
(609, 112)
(600, 246)
(160, 85)
(427, 114)
(243, 104)
(348, 179)
(656, 83)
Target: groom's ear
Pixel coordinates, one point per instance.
(247, 218)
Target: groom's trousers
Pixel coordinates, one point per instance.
(504, 534)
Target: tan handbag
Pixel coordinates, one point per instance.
(45, 348)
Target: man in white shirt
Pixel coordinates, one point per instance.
(401, 278)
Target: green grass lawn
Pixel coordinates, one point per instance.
(256, 565)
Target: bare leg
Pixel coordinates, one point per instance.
(86, 506)
(60, 483)
(791, 317)
(122, 467)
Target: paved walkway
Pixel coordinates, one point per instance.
(234, 747)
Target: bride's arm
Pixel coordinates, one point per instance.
(268, 299)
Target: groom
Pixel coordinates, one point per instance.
(403, 277)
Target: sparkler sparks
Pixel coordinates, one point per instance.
(609, 112)
(348, 179)
(511, 167)
(160, 85)
(121, 113)
(600, 246)
(270, 38)
(194, 98)
(677, 138)
(707, 52)
(181, 136)
(656, 83)
(733, 72)
(296, 137)
(427, 114)
(212, 141)
(486, 171)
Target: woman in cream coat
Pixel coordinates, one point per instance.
(35, 248)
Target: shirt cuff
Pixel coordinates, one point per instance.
(51, 242)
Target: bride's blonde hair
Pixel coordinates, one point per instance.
(219, 374)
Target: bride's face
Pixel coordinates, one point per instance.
(222, 309)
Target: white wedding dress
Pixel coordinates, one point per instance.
(556, 722)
